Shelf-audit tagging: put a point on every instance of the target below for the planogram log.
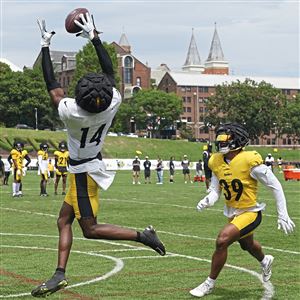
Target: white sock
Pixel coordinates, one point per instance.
(17, 187)
(14, 188)
(210, 281)
(264, 261)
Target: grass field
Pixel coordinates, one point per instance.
(126, 270)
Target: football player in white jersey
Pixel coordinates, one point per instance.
(87, 119)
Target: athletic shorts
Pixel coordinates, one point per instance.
(136, 173)
(247, 222)
(44, 175)
(61, 171)
(82, 195)
(147, 173)
(185, 171)
(51, 174)
(172, 171)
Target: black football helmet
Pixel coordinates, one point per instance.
(44, 146)
(94, 92)
(230, 137)
(62, 146)
(18, 145)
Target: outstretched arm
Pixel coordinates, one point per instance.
(89, 31)
(54, 89)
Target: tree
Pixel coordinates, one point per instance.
(87, 62)
(259, 106)
(153, 110)
(291, 123)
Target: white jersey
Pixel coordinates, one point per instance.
(86, 133)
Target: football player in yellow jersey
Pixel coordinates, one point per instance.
(235, 173)
(17, 161)
(51, 170)
(61, 165)
(43, 167)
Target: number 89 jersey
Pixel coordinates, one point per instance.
(238, 187)
(86, 131)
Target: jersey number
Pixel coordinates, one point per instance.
(95, 138)
(237, 187)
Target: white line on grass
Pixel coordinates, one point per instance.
(118, 267)
(169, 233)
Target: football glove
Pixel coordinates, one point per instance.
(24, 170)
(88, 26)
(202, 204)
(287, 225)
(46, 36)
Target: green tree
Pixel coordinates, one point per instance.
(149, 109)
(87, 62)
(259, 106)
(291, 123)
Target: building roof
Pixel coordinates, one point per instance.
(196, 79)
(12, 66)
(215, 52)
(193, 57)
(123, 40)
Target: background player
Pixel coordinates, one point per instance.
(207, 151)
(236, 173)
(61, 166)
(87, 119)
(43, 168)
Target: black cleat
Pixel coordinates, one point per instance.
(56, 282)
(149, 238)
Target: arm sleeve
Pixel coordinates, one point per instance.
(265, 176)
(48, 72)
(104, 60)
(28, 160)
(9, 159)
(215, 191)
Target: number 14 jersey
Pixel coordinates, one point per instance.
(238, 187)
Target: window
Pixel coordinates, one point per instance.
(188, 89)
(128, 67)
(189, 109)
(188, 99)
(183, 99)
(284, 141)
(184, 109)
(189, 119)
(138, 81)
(273, 141)
(286, 92)
(201, 109)
(183, 89)
(203, 89)
(201, 100)
(268, 141)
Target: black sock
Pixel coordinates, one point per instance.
(60, 270)
(138, 237)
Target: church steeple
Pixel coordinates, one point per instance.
(193, 61)
(215, 63)
(124, 42)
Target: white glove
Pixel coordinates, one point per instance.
(24, 170)
(88, 26)
(46, 36)
(202, 204)
(287, 225)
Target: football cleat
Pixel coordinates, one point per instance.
(56, 282)
(201, 290)
(149, 238)
(267, 269)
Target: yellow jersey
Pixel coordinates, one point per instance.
(44, 154)
(62, 158)
(50, 167)
(239, 188)
(17, 157)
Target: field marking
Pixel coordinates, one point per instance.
(268, 287)
(119, 264)
(160, 231)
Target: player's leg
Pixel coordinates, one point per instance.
(57, 178)
(86, 204)
(64, 183)
(58, 280)
(228, 235)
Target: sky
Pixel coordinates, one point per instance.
(258, 38)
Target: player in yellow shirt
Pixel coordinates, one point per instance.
(17, 183)
(51, 170)
(236, 172)
(43, 167)
(61, 165)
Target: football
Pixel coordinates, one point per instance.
(70, 26)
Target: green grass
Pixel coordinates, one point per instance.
(125, 147)
(28, 224)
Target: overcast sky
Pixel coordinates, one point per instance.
(259, 38)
